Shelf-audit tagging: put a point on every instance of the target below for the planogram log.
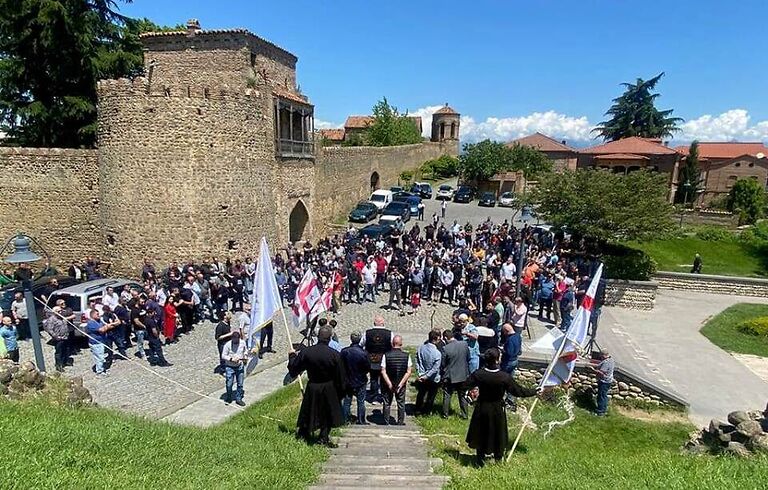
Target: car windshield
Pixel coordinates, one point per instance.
(488, 195)
(507, 195)
(426, 188)
(445, 187)
(396, 206)
(377, 197)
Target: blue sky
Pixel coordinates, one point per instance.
(513, 67)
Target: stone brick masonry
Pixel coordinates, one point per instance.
(704, 283)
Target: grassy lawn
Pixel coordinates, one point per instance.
(613, 452)
(728, 258)
(721, 330)
(50, 447)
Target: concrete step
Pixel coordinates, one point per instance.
(384, 439)
(383, 432)
(389, 480)
(416, 467)
(358, 451)
(346, 461)
(367, 486)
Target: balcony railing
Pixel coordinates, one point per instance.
(295, 149)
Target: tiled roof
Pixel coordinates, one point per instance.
(725, 150)
(362, 122)
(541, 142)
(288, 95)
(633, 145)
(332, 134)
(446, 109)
(621, 156)
(203, 32)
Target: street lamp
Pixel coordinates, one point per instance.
(23, 254)
(525, 217)
(686, 187)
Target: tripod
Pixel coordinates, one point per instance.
(592, 343)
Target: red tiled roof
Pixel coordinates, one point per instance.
(287, 94)
(362, 122)
(620, 156)
(332, 134)
(633, 145)
(541, 142)
(446, 109)
(726, 150)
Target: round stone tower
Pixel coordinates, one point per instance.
(445, 124)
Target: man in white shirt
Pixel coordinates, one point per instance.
(110, 298)
(509, 270)
(519, 315)
(369, 279)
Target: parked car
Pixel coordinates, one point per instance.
(422, 189)
(395, 222)
(396, 188)
(40, 286)
(401, 196)
(397, 208)
(380, 198)
(487, 199)
(464, 194)
(374, 231)
(413, 203)
(507, 199)
(444, 192)
(364, 212)
(78, 296)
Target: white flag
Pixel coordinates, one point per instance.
(265, 300)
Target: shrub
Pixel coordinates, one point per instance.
(441, 168)
(754, 326)
(713, 234)
(406, 176)
(622, 262)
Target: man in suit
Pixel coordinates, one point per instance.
(455, 369)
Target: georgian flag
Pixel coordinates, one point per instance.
(307, 296)
(561, 367)
(324, 303)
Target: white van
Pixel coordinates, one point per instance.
(381, 198)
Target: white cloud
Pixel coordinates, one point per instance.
(426, 118)
(326, 125)
(551, 123)
(732, 125)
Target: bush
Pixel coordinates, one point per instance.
(754, 326)
(441, 168)
(622, 262)
(711, 233)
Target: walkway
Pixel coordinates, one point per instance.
(666, 345)
(372, 456)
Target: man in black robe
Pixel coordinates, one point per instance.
(321, 406)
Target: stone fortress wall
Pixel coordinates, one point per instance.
(53, 195)
(187, 164)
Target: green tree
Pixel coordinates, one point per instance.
(480, 161)
(441, 167)
(390, 128)
(634, 114)
(690, 176)
(605, 206)
(52, 52)
(747, 198)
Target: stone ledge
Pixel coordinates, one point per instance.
(6, 151)
(636, 295)
(708, 283)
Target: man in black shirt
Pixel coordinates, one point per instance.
(396, 368)
(222, 334)
(138, 316)
(155, 356)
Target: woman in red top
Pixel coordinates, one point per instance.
(169, 320)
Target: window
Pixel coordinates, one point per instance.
(453, 130)
(751, 164)
(294, 124)
(737, 164)
(731, 180)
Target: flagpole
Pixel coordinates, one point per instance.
(547, 372)
(290, 343)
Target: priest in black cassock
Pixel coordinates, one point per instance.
(487, 432)
(321, 406)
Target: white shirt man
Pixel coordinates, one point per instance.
(508, 270)
(369, 272)
(519, 314)
(110, 299)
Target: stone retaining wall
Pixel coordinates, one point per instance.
(705, 283)
(627, 386)
(635, 295)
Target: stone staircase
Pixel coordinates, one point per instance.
(371, 456)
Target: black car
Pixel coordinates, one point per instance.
(40, 286)
(375, 231)
(402, 196)
(397, 208)
(422, 190)
(487, 199)
(363, 212)
(464, 194)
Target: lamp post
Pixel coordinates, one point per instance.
(525, 217)
(23, 254)
(686, 187)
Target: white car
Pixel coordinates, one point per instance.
(445, 192)
(396, 222)
(507, 199)
(380, 198)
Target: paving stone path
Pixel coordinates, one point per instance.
(371, 456)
